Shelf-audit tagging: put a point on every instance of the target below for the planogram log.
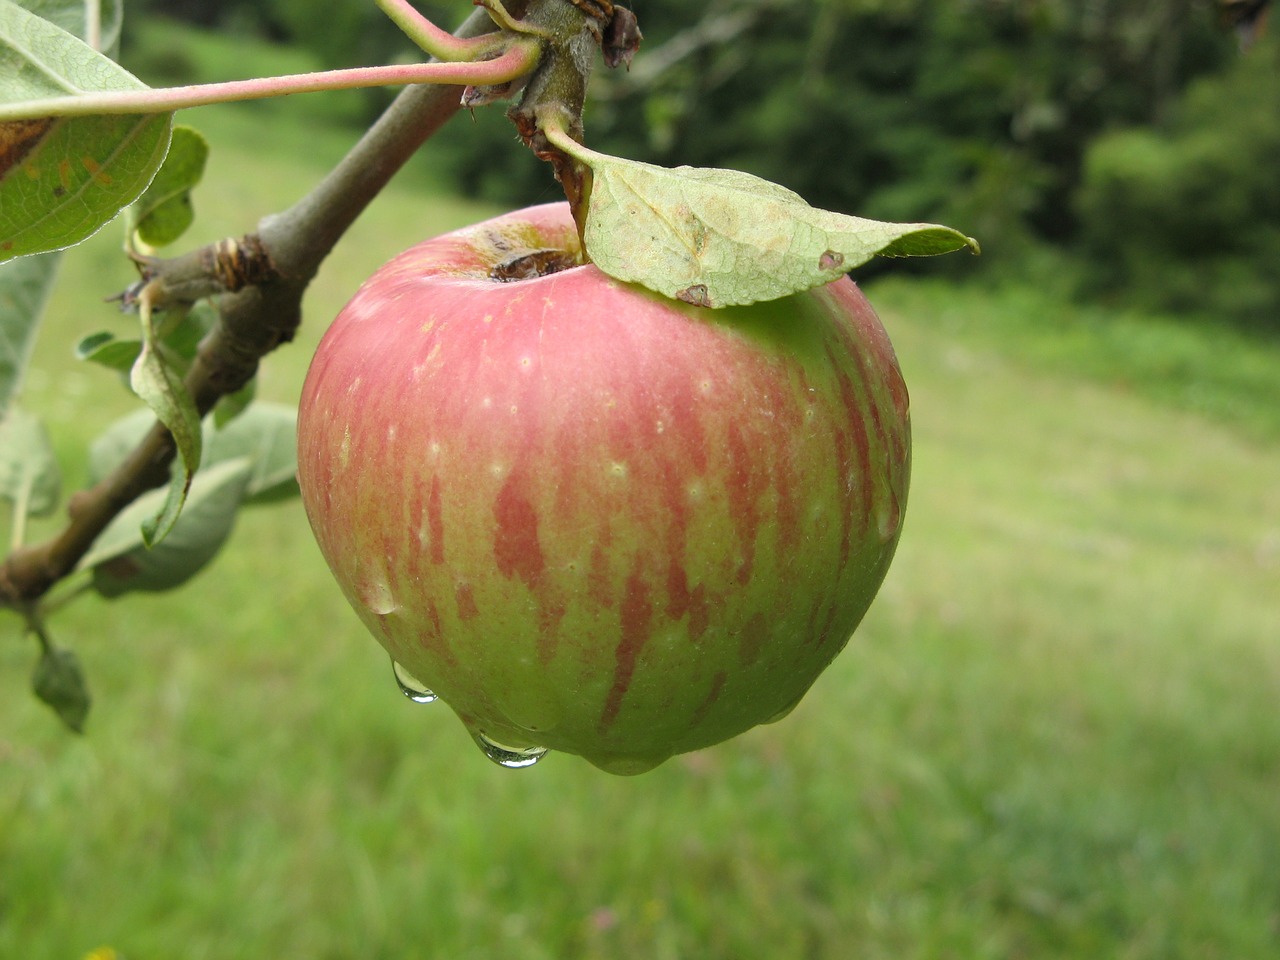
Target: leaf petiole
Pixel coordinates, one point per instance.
(551, 123)
(520, 57)
(437, 42)
(21, 504)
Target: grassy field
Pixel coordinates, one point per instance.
(1055, 735)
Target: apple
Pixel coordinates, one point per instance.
(590, 518)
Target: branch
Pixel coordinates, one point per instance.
(281, 257)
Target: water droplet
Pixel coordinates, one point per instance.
(375, 594)
(513, 758)
(785, 711)
(625, 766)
(889, 518)
(411, 686)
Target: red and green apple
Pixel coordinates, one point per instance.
(590, 518)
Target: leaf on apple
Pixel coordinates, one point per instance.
(24, 288)
(717, 238)
(63, 179)
(164, 211)
(29, 475)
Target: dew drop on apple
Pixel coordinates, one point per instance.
(513, 758)
(411, 686)
(785, 711)
(889, 518)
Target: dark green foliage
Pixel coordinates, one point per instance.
(998, 117)
(1187, 217)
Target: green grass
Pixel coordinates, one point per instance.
(1055, 735)
(1216, 370)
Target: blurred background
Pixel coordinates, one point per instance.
(1056, 733)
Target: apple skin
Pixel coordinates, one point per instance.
(593, 519)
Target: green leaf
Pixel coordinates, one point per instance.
(24, 289)
(722, 237)
(59, 681)
(157, 379)
(232, 405)
(164, 212)
(61, 180)
(110, 448)
(99, 28)
(182, 333)
(105, 349)
(122, 562)
(265, 435)
(29, 473)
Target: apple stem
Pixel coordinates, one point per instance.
(572, 161)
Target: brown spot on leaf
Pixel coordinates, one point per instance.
(18, 138)
(830, 260)
(94, 169)
(696, 295)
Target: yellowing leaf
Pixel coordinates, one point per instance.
(718, 238)
(722, 237)
(62, 179)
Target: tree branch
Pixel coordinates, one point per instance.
(286, 253)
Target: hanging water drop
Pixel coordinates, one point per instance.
(411, 686)
(513, 758)
(785, 711)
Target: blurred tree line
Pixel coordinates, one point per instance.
(1129, 135)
